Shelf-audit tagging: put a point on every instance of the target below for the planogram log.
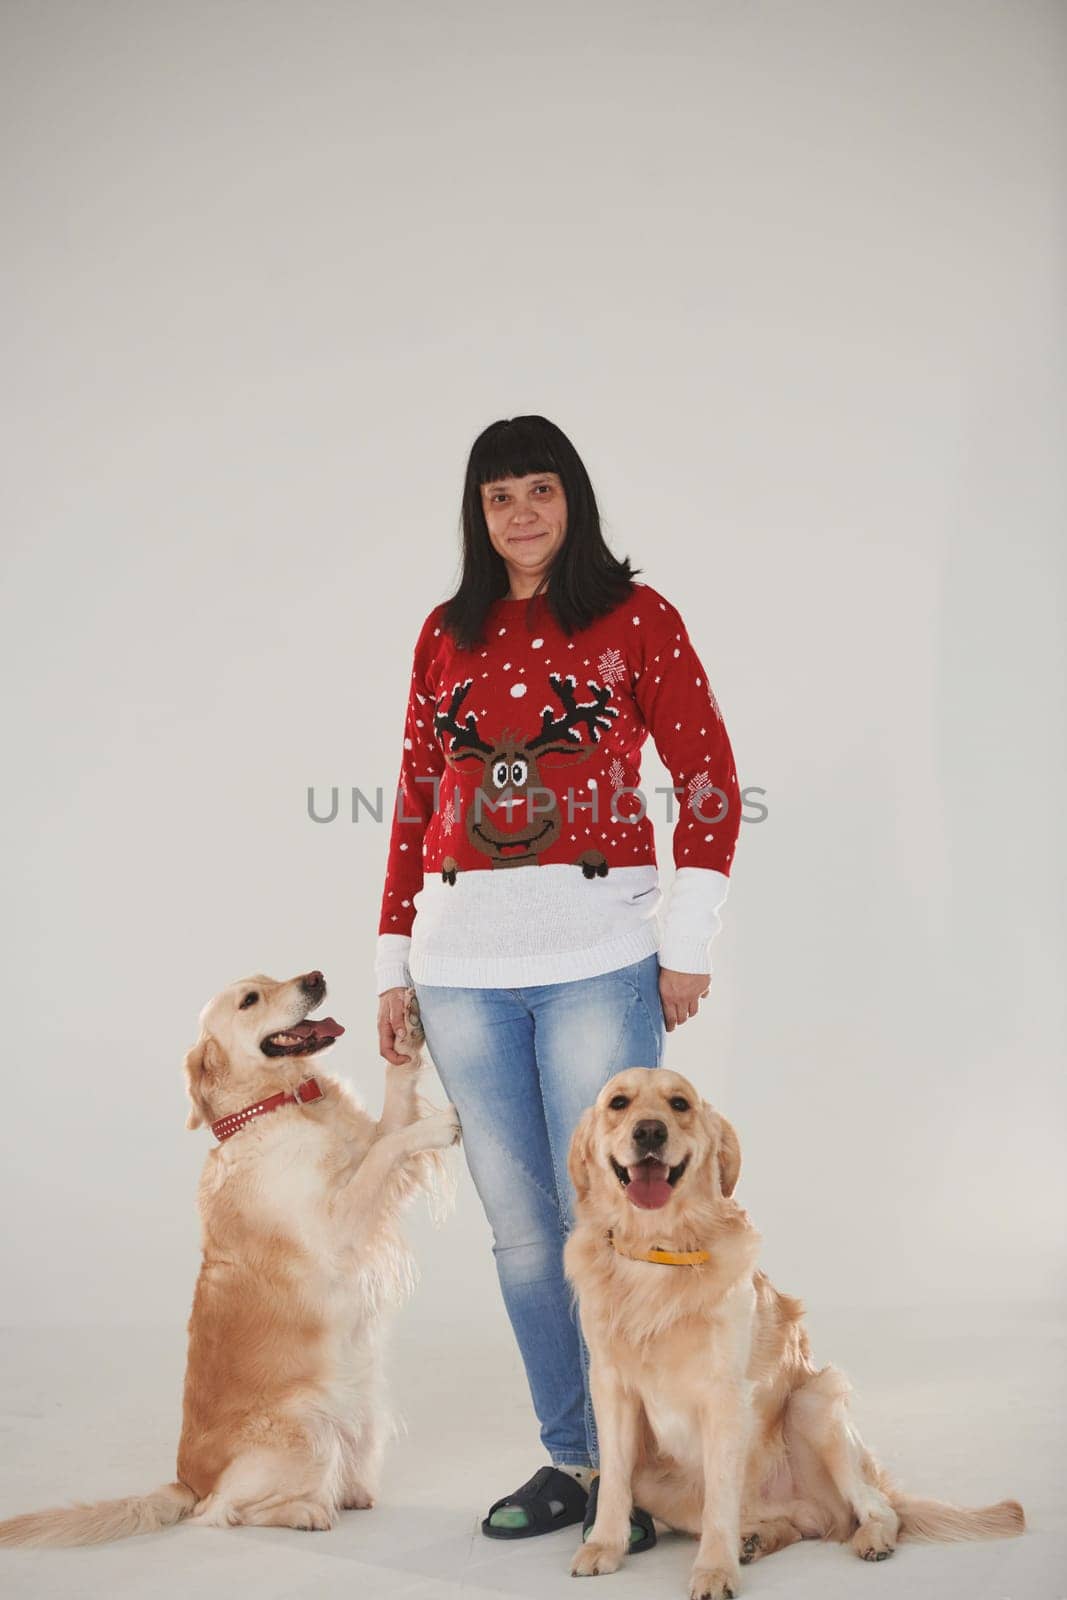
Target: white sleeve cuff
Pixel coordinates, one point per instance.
(691, 919)
(391, 962)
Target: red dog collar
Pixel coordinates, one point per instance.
(305, 1092)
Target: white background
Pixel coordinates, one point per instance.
(790, 276)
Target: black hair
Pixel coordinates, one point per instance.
(585, 580)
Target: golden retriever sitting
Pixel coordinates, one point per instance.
(710, 1410)
(283, 1417)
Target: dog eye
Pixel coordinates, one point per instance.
(679, 1102)
(618, 1103)
(249, 1000)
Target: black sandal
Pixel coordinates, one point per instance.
(638, 1519)
(533, 1497)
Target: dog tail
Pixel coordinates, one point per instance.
(936, 1519)
(101, 1521)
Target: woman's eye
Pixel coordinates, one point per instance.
(679, 1102)
(618, 1103)
(249, 1000)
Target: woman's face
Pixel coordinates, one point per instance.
(527, 522)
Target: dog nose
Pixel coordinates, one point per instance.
(313, 983)
(650, 1134)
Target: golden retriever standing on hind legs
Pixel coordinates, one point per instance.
(710, 1411)
(283, 1416)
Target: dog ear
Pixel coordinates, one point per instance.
(581, 1153)
(194, 1074)
(729, 1155)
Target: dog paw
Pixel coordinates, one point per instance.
(308, 1518)
(358, 1499)
(751, 1548)
(712, 1583)
(412, 1022)
(872, 1541)
(594, 1560)
(410, 1038)
(436, 1132)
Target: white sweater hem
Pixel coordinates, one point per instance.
(550, 925)
(522, 972)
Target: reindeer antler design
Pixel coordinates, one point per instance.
(464, 735)
(594, 714)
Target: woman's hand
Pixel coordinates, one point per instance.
(680, 995)
(391, 1004)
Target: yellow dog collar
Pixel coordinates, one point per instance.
(664, 1258)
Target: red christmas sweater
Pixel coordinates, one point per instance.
(522, 848)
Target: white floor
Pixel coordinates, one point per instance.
(972, 1416)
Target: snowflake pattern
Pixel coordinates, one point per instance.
(698, 787)
(617, 773)
(448, 815)
(611, 666)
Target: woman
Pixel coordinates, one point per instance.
(521, 889)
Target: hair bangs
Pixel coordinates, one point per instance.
(513, 450)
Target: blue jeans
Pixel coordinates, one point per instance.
(520, 1066)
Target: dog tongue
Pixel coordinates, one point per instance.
(648, 1186)
(317, 1028)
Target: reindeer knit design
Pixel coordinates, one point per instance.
(520, 853)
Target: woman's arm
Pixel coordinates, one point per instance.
(421, 765)
(681, 713)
